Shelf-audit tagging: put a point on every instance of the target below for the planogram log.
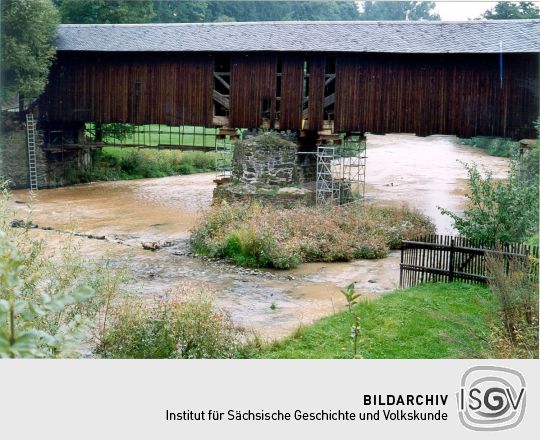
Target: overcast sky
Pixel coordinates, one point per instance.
(462, 10)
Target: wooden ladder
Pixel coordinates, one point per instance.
(32, 165)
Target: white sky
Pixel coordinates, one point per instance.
(463, 10)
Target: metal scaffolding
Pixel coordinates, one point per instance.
(224, 152)
(327, 189)
(341, 170)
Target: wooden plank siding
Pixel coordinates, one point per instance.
(317, 65)
(437, 94)
(253, 80)
(292, 78)
(457, 94)
(140, 88)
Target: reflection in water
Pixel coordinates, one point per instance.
(423, 172)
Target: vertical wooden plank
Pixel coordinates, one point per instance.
(253, 79)
(292, 79)
(317, 66)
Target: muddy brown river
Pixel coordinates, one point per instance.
(423, 172)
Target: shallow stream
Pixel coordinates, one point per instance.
(423, 172)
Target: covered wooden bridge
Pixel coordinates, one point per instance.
(461, 78)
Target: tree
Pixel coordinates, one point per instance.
(28, 31)
(106, 11)
(399, 11)
(512, 11)
(212, 11)
(180, 11)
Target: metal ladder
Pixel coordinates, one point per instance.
(31, 137)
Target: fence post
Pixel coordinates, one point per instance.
(451, 268)
(401, 266)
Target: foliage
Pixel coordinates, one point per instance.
(113, 163)
(399, 10)
(498, 211)
(494, 146)
(254, 235)
(352, 299)
(430, 321)
(512, 10)
(276, 11)
(171, 11)
(49, 281)
(106, 11)
(113, 132)
(529, 166)
(20, 332)
(516, 290)
(28, 31)
(184, 11)
(177, 326)
(187, 11)
(351, 296)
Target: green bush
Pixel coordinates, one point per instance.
(494, 146)
(56, 316)
(502, 210)
(21, 334)
(253, 235)
(175, 327)
(114, 163)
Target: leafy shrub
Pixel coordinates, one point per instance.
(494, 146)
(500, 211)
(529, 166)
(177, 326)
(61, 315)
(21, 334)
(503, 211)
(254, 235)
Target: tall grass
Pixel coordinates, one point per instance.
(183, 324)
(113, 163)
(516, 292)
(253, 235)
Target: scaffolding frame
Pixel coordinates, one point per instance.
(341, 170)
(224, 152)
(327, 189)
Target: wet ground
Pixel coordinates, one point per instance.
(423, 172)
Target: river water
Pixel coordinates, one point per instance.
(423, 172)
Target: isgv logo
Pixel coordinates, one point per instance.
(491, 398)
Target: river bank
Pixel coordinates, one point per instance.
(423, 172)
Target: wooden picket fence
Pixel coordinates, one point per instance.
(443, 258)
